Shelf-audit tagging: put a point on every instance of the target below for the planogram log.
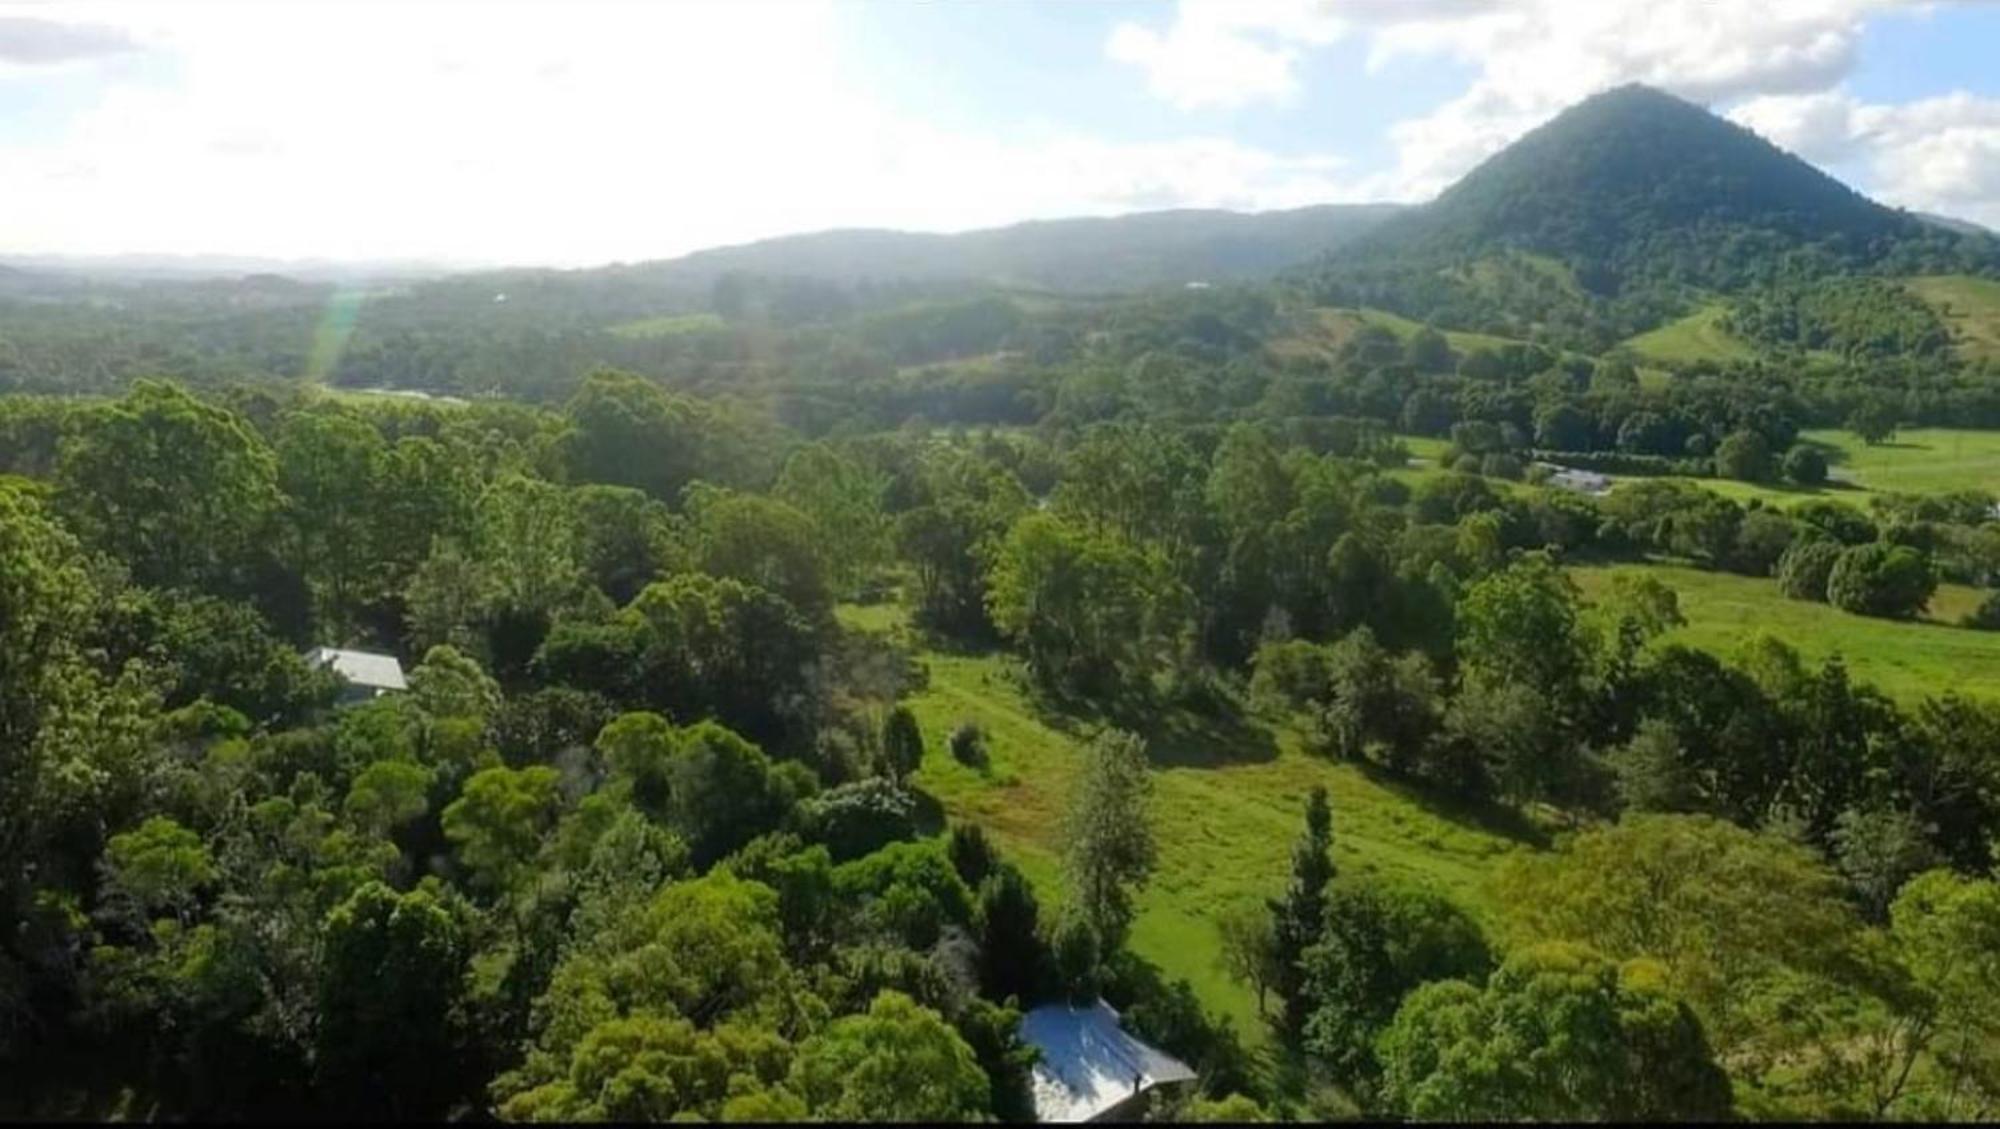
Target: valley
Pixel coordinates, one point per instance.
(1528, 655)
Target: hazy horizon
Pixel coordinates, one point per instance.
(588, 134)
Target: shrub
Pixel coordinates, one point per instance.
(1804, 568)
(1805, 465)
(1893, 581)
(1745, 456)
(968, 745)
(856, 819)
(1986, 617)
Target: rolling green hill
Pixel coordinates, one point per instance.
(1083, 254)
(1699, 336)
(1607, 220)
(1970, 308)
(1636, 184)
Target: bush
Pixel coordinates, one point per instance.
(1893, 581)
(1986, 617)
(1745, 456)
(1844, 522)
(1289, 675)
(968, 745)
(1501, 465)
(1805, 465)
(1804, 568)
(857, 819)
(1762, 539)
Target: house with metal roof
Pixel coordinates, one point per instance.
(1090, 1068)
(364, 674)
(1577, 481)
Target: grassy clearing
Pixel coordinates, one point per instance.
(1425, 446)
(1921, 460)
(1228, 806)
(1780, 494)
(1969, 306)
(1908, 661)
(1926, 460)
(1460, 340)
(1696, 337)
(1329, 328)
(668, 325)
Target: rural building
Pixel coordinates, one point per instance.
(366, 674)
(1090, 1069)
(1579, 481)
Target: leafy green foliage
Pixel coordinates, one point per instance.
(1855, 317)
(179, 490)
(1109, 847)
(1559, 1033)
(1379, 942)
(1072, 599)
(1894, 581)
(1298, 918)
(900, 1062)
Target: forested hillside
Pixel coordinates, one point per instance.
(1404, 689)
(1645, 201)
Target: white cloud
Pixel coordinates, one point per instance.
(1535, 58)
(1234, 53)
(1530, 58)
(31, 42)
(1225, 52)
(1936, 155)
(567, 134)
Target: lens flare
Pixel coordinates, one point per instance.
(330, 336)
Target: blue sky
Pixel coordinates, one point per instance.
(582, 133)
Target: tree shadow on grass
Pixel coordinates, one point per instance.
(1181, 739)
(1834, 453)
(928, 816)
(1175, 736)
(1487, 815)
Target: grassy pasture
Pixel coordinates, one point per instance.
(1970, 308)
(1228, 805)
(1697, 337)
(1921, 460)
(1905, 660)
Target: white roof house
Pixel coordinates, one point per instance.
(1089, 1066)
(367, 674)
(1580, 481)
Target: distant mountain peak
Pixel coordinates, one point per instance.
(1634, 182)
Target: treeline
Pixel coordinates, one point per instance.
(639, 841)
(1860, 318)
(646, 802)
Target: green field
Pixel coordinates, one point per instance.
(1969, 306)
(1696, 337)
(1924, 460)
(668, 325)
(1404, 328)
(1920, 460)
(1424, 446)
(1228, 806)
(1329, 327)
(1906, 660)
